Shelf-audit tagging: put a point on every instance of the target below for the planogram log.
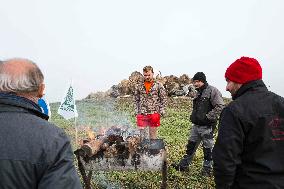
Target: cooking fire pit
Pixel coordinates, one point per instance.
(115, 151)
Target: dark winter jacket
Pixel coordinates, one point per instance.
(249, 151)
(33, 152)
(207, 106)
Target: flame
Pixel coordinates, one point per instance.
(91, 134)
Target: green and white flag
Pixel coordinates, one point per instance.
(67, 109)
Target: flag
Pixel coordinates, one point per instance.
(67, 108)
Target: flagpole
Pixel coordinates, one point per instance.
(68, 110)
(76, 129)
(76, 133)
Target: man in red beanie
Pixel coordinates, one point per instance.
(249, 151)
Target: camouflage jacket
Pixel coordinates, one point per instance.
(153, 102)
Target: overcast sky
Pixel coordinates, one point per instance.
(99, 43)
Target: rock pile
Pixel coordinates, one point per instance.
(175, 86)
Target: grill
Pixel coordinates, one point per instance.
(114, 151)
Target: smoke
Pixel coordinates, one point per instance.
(101, 115)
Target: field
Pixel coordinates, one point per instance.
(175, 127)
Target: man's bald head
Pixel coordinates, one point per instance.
(20, 76)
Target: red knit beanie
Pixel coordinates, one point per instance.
(244, 70)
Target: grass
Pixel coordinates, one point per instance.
(175, 127)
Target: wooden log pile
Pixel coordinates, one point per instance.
(113, 151)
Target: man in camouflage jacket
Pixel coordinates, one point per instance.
(150, 100)
(207, 106)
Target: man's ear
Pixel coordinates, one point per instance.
(40, 91)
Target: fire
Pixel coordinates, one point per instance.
(91, 134)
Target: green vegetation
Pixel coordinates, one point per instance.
(175, 127)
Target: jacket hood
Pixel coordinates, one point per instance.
(9, 100)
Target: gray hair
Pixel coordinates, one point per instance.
(26, 81)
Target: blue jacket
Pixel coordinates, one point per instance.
(33, 152)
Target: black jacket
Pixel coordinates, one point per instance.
(207, 106)
(249, 151)
(33, 152)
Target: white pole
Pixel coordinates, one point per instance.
(76, 129)
(76, 134)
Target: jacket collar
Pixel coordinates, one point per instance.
(12, 101)
(251, 86)
(201, 89)
(154, 81)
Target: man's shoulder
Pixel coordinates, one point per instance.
(158, 83)
(52, 137)
(213, 88)
(44, 128)
(239, 105)
(213, 91)
(54, 129)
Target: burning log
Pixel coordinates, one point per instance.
(114, 139)
(110, 152)
(93, 147)
(131, 154)
(108, 145)
(113, 152)
(133, 144)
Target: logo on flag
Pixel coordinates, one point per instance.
(67, 109)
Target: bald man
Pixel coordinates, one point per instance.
(33, 152)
